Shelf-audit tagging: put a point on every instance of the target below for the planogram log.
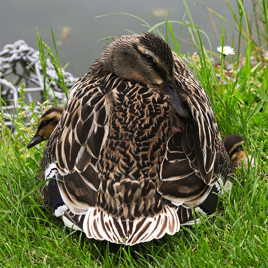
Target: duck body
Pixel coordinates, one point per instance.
(130, 161)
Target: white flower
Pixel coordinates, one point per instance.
(226, 50)
(160, 12)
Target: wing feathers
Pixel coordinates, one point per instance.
(202, 135)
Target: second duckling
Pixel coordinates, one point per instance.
(47, 124)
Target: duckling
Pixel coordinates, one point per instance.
(234, 146)
(47, 124)
(137, 150)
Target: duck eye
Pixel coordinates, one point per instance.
(149, 58)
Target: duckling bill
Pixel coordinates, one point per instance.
(47, 124)
(35, 140)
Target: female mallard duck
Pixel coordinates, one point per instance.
(137, 149)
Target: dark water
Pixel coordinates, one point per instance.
(22, 19)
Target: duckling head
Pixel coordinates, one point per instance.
(145, 59)
(47, 124)
(234, 146)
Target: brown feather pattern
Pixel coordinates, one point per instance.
(126, 163)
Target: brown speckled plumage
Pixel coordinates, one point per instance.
(132, 157)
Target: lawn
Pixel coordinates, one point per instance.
(236, 236)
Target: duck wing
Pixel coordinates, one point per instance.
(195, 157)
(74, 147)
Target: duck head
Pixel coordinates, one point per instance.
(146, 59)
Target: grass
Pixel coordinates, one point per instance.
(236, 237)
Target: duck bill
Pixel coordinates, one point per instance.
(170, 89)
(35, 140)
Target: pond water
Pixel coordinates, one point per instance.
(80, 32)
